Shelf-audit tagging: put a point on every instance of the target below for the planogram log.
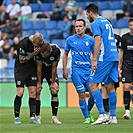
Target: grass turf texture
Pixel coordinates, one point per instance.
(71, 118)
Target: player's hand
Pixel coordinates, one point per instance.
(39, 85)
(37, 50)
(55, 86)
(94, 65)
(65, 74)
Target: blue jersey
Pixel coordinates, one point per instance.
(108, 50)
(81, 49)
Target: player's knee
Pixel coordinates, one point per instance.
(53, 91)
(81, 96)
(32, 93)
(126, 87)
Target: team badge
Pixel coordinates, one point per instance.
(87, 43)
(52, 58)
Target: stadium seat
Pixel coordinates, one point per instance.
(35, 7)
(107, 14)
(82, 4)
(39, 25)
(27, 25)
(116, 5)
(50, 25)
(46, 7)
(10, 64)
(59, 42)
(104, 5)
(114, 23)
(122, 23)
(29, 32)
(60, 23)
(44, 33)
(123, 31)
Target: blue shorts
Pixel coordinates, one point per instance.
(107, 72)
(81, 81)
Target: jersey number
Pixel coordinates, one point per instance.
(109, 27)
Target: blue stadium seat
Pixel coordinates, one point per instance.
(50, 25)
(29, 32)
(10, 64)
(35, 7)
(44, 33)
(114, 23)
(122, 23)
(82, 4)
(39, 25)
(59, 42)
(104, 5)
(46, 7)
(116, 5)
(60, 23)
(28, 25)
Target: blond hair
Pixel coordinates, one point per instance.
(38, 39)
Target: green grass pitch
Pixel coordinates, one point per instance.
(71, 118)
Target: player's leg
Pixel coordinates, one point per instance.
(54, 100)
(80, 88)
(38, 104)
(127, 79)
(17, 104)
(127, 99)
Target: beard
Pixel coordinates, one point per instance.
(91, 19)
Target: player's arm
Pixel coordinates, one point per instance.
(54, 73)
(29, 56)
(120, 58)
(64, 63)
(96, 52)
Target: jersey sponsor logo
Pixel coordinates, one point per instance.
(18, 82)
(80, 53)
(52, 58)
(46, 64)
(82, 63)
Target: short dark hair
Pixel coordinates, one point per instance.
(45, 47)
(81, 20)
(92, 7)
(130, 20)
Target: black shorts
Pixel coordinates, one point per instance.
(127, 76)
(47, 74)
(25, 76)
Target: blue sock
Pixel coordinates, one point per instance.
(99, 101)
(112, 103)
(84, 109)
(90, 103)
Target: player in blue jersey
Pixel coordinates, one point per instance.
(104, 64)
(81, 46)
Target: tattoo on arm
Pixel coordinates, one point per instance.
(27, 58)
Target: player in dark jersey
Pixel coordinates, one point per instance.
(26, 74)
(47, 62)
(126, 64)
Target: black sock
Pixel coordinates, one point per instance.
(32, 105)
(38, 104)
(54, 106)
(106, 104)
(17, 105)
(127, 99)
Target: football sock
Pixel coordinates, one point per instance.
(106, 104)
(99, 101)
(112, 103)
(38, 104)
(32, 105)
(127, 99)
(83, 107)
(54, 106)
(17, 105)
(90, 103)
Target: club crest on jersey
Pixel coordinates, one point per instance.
(52, 58)
(87, 43)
